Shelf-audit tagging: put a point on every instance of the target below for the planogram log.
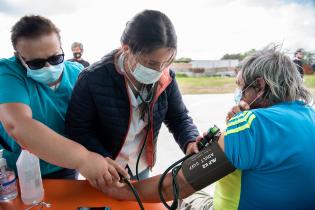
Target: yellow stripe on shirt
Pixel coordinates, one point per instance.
(239, 119)
(243, 127)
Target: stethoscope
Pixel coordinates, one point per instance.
(147, 103)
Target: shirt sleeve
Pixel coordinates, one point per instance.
(240, 140)
(12, 87)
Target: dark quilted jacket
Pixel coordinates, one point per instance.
(99, 111)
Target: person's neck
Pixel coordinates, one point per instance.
(133, 81)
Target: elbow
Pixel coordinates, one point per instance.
(13, 129)
(10, 128)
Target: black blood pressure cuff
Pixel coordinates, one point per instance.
(206, 167)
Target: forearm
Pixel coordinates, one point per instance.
(46, 144)
(148, 189)
(90, 140)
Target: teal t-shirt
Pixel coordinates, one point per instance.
(273, 149)
(48, 106)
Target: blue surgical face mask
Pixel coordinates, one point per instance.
(46, 75)
(238, 93)
(146, 75)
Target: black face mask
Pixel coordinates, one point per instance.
(77, 55)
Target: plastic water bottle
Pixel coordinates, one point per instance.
(30, 179)
(8, 189)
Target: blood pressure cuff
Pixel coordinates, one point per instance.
(206, 167)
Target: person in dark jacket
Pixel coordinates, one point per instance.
(119, 103)
(298, 57)
(77, 50)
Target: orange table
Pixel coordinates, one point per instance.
(71, 194)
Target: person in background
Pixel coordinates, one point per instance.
(271, 145)
(77, 50)
(119, 103)
(35, 89)
(298, 57)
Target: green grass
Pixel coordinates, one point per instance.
(204, 85)
(310, 81)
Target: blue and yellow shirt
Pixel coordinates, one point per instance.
(273, 149)
(48, 106)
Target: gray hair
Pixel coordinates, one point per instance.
(77, 44)
(283, 81)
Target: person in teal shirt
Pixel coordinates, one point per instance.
(35, 88)
(48, 104)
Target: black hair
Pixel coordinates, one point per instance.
(300, 50)
(32, 26)
(149, 30)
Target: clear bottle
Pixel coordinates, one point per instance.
(8, 189)
(30, 179)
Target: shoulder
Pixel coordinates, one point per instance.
(11, 66)
(74, 66)
(85, 63)
(251, 119)
(72, 71)
(172, 74)
(241, 122)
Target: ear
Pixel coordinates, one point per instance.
(260, 84)
(125, 48)
(17, 55)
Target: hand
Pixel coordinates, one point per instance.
(99, 171)
(192, 147)
(119, 191)
(236, 109)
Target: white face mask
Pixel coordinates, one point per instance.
(146, 75)
(46, 75)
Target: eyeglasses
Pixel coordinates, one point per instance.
(39, 63)
(156, 65)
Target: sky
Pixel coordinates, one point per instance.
(206, 29)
